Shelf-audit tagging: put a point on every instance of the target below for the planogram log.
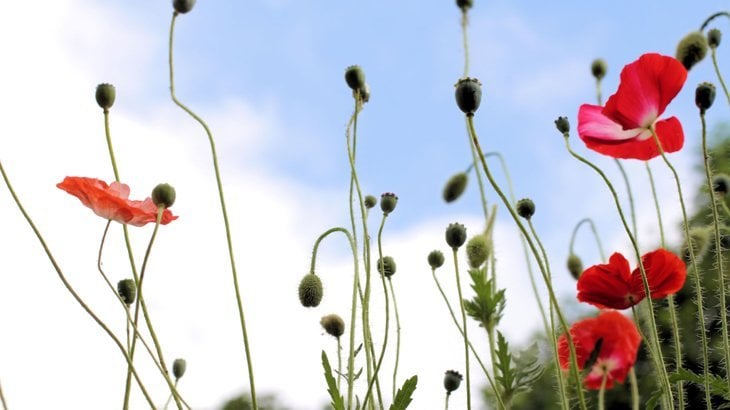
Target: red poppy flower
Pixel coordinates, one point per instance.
(614, 286)
(611, 339)
(622, 129)
(110, 201)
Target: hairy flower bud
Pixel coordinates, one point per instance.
(127, 290)
(455, 186)
(388, 201)
(692, 49)
(386, 266)
(704, 96)
(714, 37)
(105, 95)
(720, 184)
(599, 68)
(310, 290)
(178, 368)
(183, 6)
(163, 195)
(333, 325)
(525, 208)
(455, 235)
(355, 77)
(477, 251)
(452, 380)
(563, 125)
(468, 95)
(435, 259)
(370, 201)
(575, 265)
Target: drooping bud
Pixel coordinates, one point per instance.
(388, 201)
(692, 49)
(386, 266)
(455, 186)
(105, 95)
(455, 235)
(310, 290)
(525, 208)
(599, 68)
(575, 266)
(720, 184)
(163, 195)
(704, 96)
(477, 251)
(127, 290)
(452, 380)
(464, 5)
(435, 259)
(333, 325)
(183, 6)
(370, 202)
(714, 37)
(178, 368)
(563, 125)
(355, 77)
(468, 95)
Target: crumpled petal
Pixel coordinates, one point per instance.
(665, 272)
(608, 285)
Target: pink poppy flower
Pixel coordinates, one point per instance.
(111, 201)
(622, 129)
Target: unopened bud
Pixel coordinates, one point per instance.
(435, 259)
(310, 290)
(105, 95)
(468, 95)
(127, 290)
(563, 125)
(704, 96)
(714, 37)
(575, 266)
(477, 251)
(178, 368)
(599, 68)
(370, 201)
(525, 208)
(355, 77)
(183, 6)
(386, 266)
(455, 186)
(333, 325)
(163, 195)
(692, 49)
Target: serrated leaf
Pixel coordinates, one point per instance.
(653, 400)
(337, 400)
(718, 385)
(403, 397)
(506, 373)
(487, 306)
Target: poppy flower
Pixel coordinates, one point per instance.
(111, 201)
(623, 128)
(606, 344)
(614, 285)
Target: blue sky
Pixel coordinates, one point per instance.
(268, 75)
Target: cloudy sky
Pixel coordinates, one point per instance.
(267, 75)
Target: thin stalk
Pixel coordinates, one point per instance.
(397, 340)
(634, 389)
(595, 235)
(447, 401)
(169, 398)
(239, 302)
(2, 399)
(465, 40)
(719, 74)
(339, 362)
(602, 392)
(465, 331)
(712, 17)
(631, 198)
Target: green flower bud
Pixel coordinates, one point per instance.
(355, 77)
(455, 186)
(525, 208)
(388, 201)
(310, 290)
(370, 202)
(333, 325)
(386, 266)
(163, 195)
(599, 68)
(477, 251)
(452, 380)
(183, 6)
(127, 290)
(105, 95)
(563, 125)
(704, 96)
(464, 5)
(720, 184)
(455, 235)
(575, 265)
(435, 259)
(178, 368)
(692, 49)
(714, 37)
(468, 95)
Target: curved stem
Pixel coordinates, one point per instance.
(397, 342)
(712, 17)
(719, 74)
(239, 301)
(595, 235)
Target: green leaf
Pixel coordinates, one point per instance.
(403, 397)
(506, 374)
(487, 305)
(653, 400)
(718, 385)
(337, 400)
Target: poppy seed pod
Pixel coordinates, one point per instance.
(720, 184)
(714, 37)
(435, 259)
(333, 325)
(464, 5)
(178, 368)
(455, 186)
(163, 195)
(692, 49)
(563, 125)
(525, 208)
(455, 235)
(468, 95)
(127, 290)
(370, 201)
(704, 96)
(452, 380)
(105, 95)
(310, 290)
(477, 251)
(183, 6)
(575, 265)
(599, 68)
(386, 266)
(355, 77)
(388, 201)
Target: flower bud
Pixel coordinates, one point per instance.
(575, 266)
(464, 5)
(691, 49)
(455, 186)
(370, 201)
(178, 368)
(310, 290)
(333, 325)
(525, 208)
(563, 125)
(704, 96)
(599, 68)
(386, 266)
(452, 380)
(455, 235)
(435, 259)
(468, 95)
(388, 201)
(720, 184)
(163, 195)
(714, 37)
(105, 95)
(183, 6)
(355, 77)
(127, 290)
(477, 251)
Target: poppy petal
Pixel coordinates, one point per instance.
(665, 272)
(608, 285)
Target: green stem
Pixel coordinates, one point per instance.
(239, 302)
(719, 74)
(595, 235)
(169, 398)
(465, 331)
(480, 183)
(465, 40)
(447, 401)
(339, 363)
(2, 399)
(397, 340)
(631, 198)
(602, 392)
(712, 17)
(634, 389)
